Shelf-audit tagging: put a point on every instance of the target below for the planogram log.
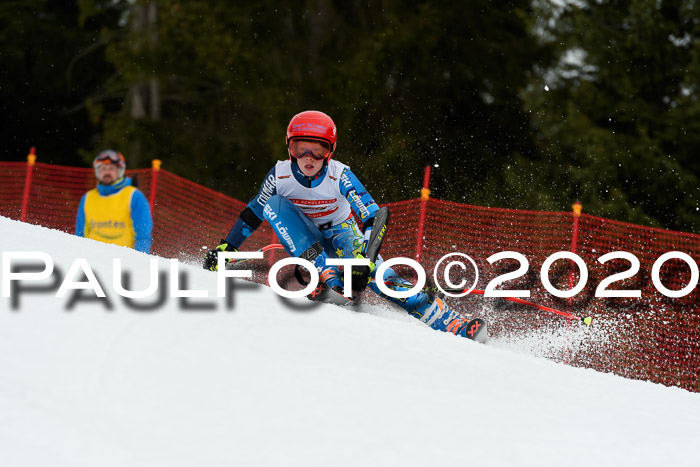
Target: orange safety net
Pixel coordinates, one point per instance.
(653, 337)
(189, 219)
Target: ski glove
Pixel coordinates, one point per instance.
(211, 258)
(361, 274)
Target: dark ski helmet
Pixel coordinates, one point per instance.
(109, 156)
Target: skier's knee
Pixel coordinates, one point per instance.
(311, 253)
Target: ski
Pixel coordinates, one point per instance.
(325, 294)
(236, 264)
(477, 330)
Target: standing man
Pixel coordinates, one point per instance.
(115, 212)
(308, 200)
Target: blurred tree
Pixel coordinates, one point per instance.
(52, 62)
(434, 85)
(217, 89)
(408, 83)
(617, 115)
(523, 104)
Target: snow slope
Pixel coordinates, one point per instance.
(273, 382)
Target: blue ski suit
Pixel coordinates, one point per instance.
(304, 210)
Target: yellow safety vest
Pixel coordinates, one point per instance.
(108, 218)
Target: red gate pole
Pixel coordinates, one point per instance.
(577, 208)
(155, 169)
(424, 197)
(271, 259)
(31, 159)
(272, 254)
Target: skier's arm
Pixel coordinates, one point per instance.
(248, 221)
(80, 218)
(361, 202)
(142, 221)
(252, 216)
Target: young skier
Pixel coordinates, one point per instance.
(308, 200)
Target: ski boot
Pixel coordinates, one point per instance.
(435, 313)
(330, 285)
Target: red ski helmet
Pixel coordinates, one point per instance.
(313, 125)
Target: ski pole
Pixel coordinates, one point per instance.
(272, 246)
(587, 320)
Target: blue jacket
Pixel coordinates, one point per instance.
(140, 213)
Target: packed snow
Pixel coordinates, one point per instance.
(260, 380)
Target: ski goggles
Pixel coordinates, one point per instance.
(110, 157)
(316, 148)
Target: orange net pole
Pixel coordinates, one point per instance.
(31, 159)
(424, 197)
(155, 168)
